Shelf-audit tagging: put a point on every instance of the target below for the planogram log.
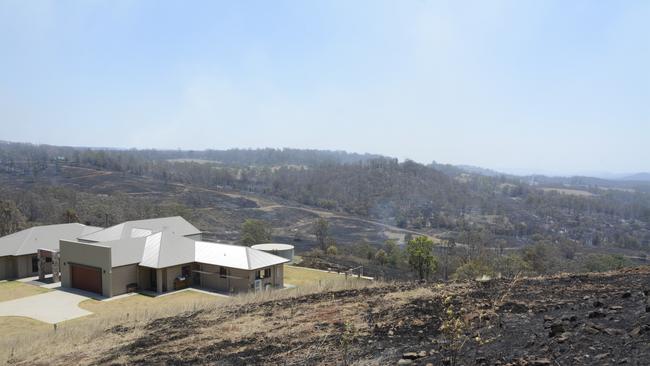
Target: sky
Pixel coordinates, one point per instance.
(522, 86)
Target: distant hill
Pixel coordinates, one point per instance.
(639, 177)
(480, 171)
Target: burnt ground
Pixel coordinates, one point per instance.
(587, 319)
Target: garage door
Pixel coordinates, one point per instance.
(86, 278)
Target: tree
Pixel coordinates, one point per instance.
(70, 215)
(321, 230)
(332, 251)
(11, 219)
(421, 258)
(381, 257)
(255, 232)
(473, 269)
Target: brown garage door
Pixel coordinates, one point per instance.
(86, 278)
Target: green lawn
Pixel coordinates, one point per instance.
(300, 276)
(10, 290)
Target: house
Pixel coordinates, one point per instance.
(141, 228)
(157, 255)
(19, 251)
(164, 261)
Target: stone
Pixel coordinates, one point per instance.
(598, 304)
(601, 356)
(404, 362)
(596, 314)
(540, 362)
(548, 318)
(615, 307)
(556, 329)
(422, 354)
(614, 331)
(626, 295)
(410, 356)
(570, 318)
(563, 337)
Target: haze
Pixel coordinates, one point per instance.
(550, 87)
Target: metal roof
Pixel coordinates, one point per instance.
(165, 249)
(235, 256)
(28, 241)
(140, 228)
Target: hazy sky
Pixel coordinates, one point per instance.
(520, 86)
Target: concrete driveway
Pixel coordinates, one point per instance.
(51, 307)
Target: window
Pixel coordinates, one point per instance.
(185, 271)
(48, 260)
(35, 263)
(265, 273)
(223, 272)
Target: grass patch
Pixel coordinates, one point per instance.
(142, 305)
(10, 290)
(300, 276)
(13, 326)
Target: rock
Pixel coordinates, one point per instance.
(592, 330)
(404, 362)
(615, 307)
(623, 360)
(596, 314)
(647, 308)
(598, 304)
(626, 295)
(410, 356)
(422, 354)
(614, 331)
(635, 332)
(601, 356)
(540, 362)
(556, 329)
(570, 318)
(563, 337)
(548, 318)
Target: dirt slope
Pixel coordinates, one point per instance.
(591, 319)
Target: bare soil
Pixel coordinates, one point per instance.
(587, 319)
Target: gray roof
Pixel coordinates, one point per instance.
(235, 256)
(141, 228)
(28, 241)
(165, 249)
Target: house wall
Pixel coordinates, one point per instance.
(23, 266)
(7, 267)
(144, 278)
(213, 281)
(171, 274)
(278, 279)
(87, 254)
(123, 276)
(239, 280)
